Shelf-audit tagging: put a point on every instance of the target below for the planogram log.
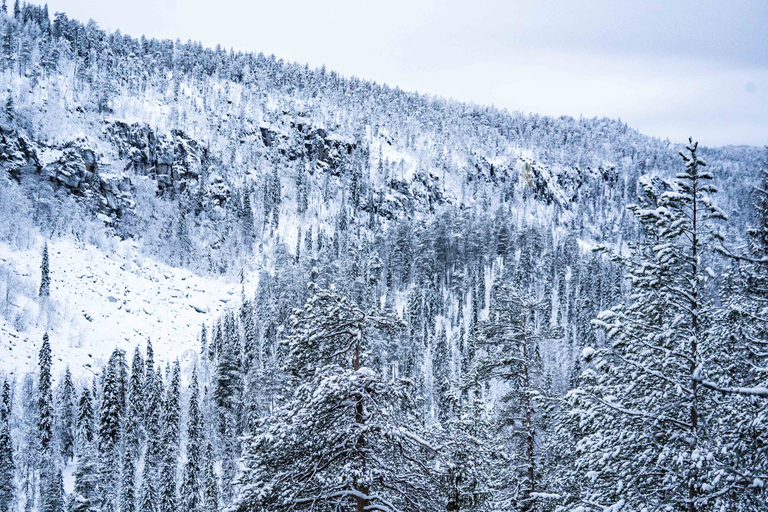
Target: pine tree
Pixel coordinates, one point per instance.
(7, 465)
(85, 432)
(110, 417)
(204, 342)
(68, 417)
(511, 340)
(45, 398)
(211, 484)
(52, 491)
(443, 381)
(87, 476)
(147, 494)
(45, 279)
(109, 434)
(641, 410)
(127, 489)
(471, 461)
(341, 419)
(190, 486)
(134, 415)
(171, 417)
(228, 395)
(10, 106)
(740, 330)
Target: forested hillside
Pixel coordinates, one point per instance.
(228, 282)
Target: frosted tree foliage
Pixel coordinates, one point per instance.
(267, 287)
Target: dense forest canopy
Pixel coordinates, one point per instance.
(443, 306)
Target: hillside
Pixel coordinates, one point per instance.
(245, 215)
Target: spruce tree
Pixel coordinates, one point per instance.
(87, 475)
(190, 485)
(127, 484)
(443, 381)
(67, 417)
(147, 494)
(52, 490)
(7, 465)
(170, 434)
(85, 432)
(511, 340)
(109, 434)
(45, 279)
(211, 482)
(45, 398)
(134, 415)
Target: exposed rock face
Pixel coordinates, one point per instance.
(73, 167)
(175, 161)
(302, 140)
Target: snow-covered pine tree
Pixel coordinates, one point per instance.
(741, 332)
(148, 499)
(134, 414)
(85, 497)
(210, 489)
(50, 498)
(29, 454)
(343, 438)
(45, 279)
(110, 419)
(7, 465)
(470, 458)
(644, 444)
(193, 477)
(511, 339)
(67, 417)
(442, 376)
(228, 395)
(169, 460)
(127, 483)
(52, 495)
(45, 398)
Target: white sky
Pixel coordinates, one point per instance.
(671, 68)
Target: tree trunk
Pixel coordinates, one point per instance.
(360, 502)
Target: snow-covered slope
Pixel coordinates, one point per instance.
(99, 302)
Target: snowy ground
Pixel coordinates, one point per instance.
(101, 301)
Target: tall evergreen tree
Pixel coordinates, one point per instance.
(67, 417)
(148, 498)
(127, 484)
(211, 483)
(168, 466)
(85, 497)
(190, 486)
(134, 415)
(45, 398)
(644, 439)
(355, 430)
(7, 465)
(109, 434)
(45, 279)
(511, 340)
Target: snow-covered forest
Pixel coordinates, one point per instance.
(234, 283)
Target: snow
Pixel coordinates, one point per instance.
(101, 301)
(587, 353)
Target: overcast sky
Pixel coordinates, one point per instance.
(670, 68)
